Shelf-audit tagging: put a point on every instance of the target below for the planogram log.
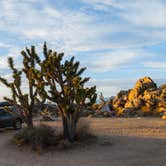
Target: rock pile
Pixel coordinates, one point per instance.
(144, 99)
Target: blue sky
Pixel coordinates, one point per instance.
(119, 41)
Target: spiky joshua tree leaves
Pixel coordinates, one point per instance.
(25, 101)
(60, 82)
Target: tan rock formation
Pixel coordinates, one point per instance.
(144, 98)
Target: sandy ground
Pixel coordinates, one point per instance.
(135, 142)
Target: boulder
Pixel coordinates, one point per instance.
(145, 96)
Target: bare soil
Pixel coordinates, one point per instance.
(134, 142)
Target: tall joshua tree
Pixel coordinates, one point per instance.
(24, 101)
(61, 82)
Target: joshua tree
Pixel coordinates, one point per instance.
(24, 101)
(60, 82)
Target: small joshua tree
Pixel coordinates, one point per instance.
(24, 101)
(61, 82)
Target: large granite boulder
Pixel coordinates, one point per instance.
(144, 99)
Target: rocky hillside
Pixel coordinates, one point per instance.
(144, 99)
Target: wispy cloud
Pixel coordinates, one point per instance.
(75, 31)
(138, 12)
(155, 65)
(144, 13)
(110, 87)
(108, 34)
(116, 59)
(3, 45)
(82, 31)
(143, 21)
(3, 63)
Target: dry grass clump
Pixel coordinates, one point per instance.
(39, 137)
(83, 131)
(43, 137)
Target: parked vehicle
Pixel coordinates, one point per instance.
(11, 118)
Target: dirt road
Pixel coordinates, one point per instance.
(135, 142)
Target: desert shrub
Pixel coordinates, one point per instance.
(83, 131)
(42, 137)
(38, 137)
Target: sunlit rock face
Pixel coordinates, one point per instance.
(144, 99)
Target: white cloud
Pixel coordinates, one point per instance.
(3, 45)
(108, 91)
(3, 62)
(34, 33)
(155, 65)
(126, 24)
(118, 58)
(138, 23)
(14, 52)
(145, 13)
(110, 87)
(138, 12)
(73, 31)
(4, 92)
(99, 2)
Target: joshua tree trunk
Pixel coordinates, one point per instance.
(30, 121)
(69, 127)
